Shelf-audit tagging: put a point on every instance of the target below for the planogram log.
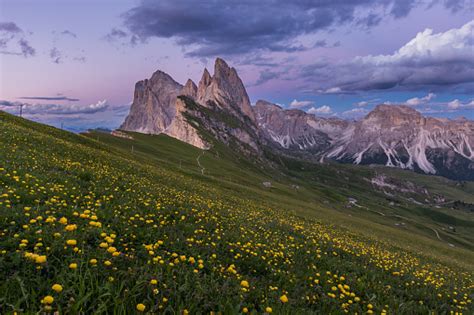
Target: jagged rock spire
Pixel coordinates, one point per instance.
(226, 89)
(204, 83)
(190, 89)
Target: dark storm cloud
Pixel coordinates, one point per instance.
(457, 5)
(49, 98)
(258, 60)
(208, 28)
(401, 8)
(267, 75)
(370, 20)
(320, 43)
(355, 76)
(436, 61)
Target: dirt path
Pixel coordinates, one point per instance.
(437, 234)
(411, 221)
(439, 237)
(199, 162)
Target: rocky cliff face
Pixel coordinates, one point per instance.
(153, 106)
(397, 136)
(218, 108)
(295, 129)
(225, 89)
(180, 128)
(400, 136)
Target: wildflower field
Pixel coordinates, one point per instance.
(87, 229)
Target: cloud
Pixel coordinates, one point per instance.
(10, 31)
(81, 59)
(455, 104)
(419, 101)
(434, 61)
(115, 34)
(402, 8)
(57, 109)
(55, 55)
(258, 60)
(299, 104)
(367, 102)
(69, 33)
(323, 110)
(9, 27)
(267, 75)
(49, 98)
(457, 5)
(63, 50)
(332, 90)
(76, 119)
(320, 43)
(355, 113)
(239, 27)
(9, 104)
(120, 36)
(26, 49)
(370, 20)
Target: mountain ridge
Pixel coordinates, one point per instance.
(219, 109)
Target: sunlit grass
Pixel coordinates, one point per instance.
(85, 231)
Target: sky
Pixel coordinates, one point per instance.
(75, 63)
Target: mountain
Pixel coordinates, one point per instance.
(295, 129)
(218, 109)
(400, 136)
(153, 107)
(397, 136)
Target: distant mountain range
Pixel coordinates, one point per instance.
(219, 109)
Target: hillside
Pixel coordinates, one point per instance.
(148, 223)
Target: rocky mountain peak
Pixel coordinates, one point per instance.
(400, 136)
(190, 89)
(205, 80)
(394, 109)
(153, 106)
(225, 89)
(219, 105)
(296, 130)
(221, 68)
(394, 115)
(264, 105)
(162, 78)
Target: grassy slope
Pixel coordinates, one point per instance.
(322, 194)
(157, 210)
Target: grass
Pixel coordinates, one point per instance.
(144, 226)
